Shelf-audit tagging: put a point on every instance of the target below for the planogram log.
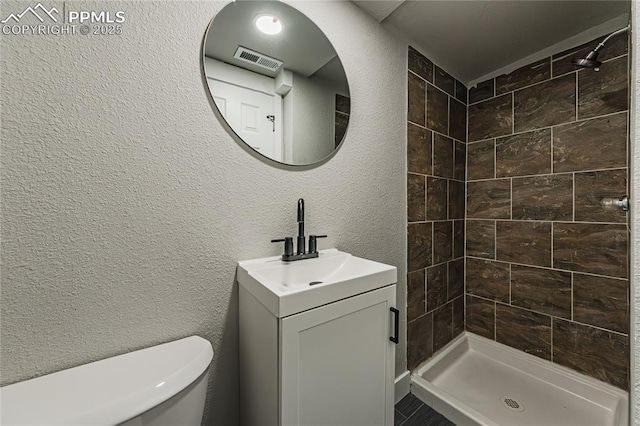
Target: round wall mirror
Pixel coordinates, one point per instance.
(277, 81)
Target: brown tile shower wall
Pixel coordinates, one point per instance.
(546, 264)
(436, 153)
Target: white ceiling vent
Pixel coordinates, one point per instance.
(256, 58)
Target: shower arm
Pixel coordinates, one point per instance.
(613, 34)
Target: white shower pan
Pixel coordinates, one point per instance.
(476, 381)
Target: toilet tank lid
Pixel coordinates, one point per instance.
(109, 391)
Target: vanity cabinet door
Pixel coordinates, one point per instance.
(337, 363)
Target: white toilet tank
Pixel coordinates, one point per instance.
(162, 385)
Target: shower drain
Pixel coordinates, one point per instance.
(512, 404)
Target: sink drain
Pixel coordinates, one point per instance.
(512, 404)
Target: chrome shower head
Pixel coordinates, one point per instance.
(590, 61)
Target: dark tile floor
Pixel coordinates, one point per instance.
(410, 411)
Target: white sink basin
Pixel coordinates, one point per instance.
(286, 288)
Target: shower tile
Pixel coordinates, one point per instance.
(419, 340)
(461, 92)
(442, 241)
(442, 156)
(525, 76)
(437, 110)
(456, 199)
(541, 290)
(524, 154)
(527, 331)
(595, 248)
(488, 279)
(600, 143)
(419, 245)
(459, 162)
(543, 197)
(592, 351)
(490, 118)
(482, 91)
(444, 81)
(442, 326)
(458, 316)
(436, 286)
(416, 306)
(343, 104)
(592, 187)
(458, 239)
(341, 123)
(489, 199)
(481, 238)
(545, 104)
(420, 65)
(457, 120)
(417, 90)
(416, 198)
(480, 317)
(524, 242)
(616, 46)
(604, 92)
(436, 198)
(418, 149)
(600, 301)
(455, 279)
(481, 160)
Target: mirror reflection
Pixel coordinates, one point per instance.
(277, 81)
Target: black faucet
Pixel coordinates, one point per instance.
(301, 238)
(301, 253)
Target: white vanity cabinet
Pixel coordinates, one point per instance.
(329, 365)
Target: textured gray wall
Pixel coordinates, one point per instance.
(126, 204)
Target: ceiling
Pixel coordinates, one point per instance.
(477, 39)
(301, 45)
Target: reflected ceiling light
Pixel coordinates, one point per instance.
(269, 24)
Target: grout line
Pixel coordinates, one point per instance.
(545, 174)
(567, 222)
(624, 111)
(591, 274)
(497, 302)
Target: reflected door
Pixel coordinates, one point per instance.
(251, 114)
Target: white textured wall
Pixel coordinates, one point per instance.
(125, 203)
(314, 112)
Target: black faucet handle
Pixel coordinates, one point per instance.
(313, 246)
(288, 245)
